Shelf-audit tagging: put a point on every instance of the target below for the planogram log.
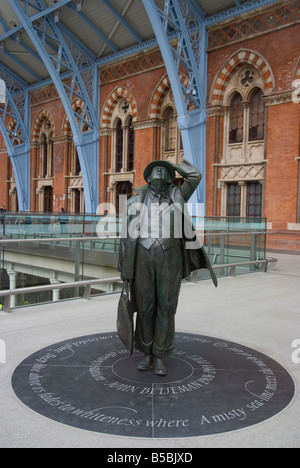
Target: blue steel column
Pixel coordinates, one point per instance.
(18, 146)
(169, 25)
(87, 143)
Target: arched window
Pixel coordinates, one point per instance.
(236, 119)
(46, 151)
(130, 151)
(243, 160)
(171, 144)
(170, 129)
(119, 146)
(44, 155)
(257, 116)
(120, 152)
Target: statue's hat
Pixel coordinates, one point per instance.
(166, 164)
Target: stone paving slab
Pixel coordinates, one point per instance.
(260, 311)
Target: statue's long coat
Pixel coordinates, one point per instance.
(193, 259)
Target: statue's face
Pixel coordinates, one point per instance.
(160, 173)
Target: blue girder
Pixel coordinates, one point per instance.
(181, 20)
(186, 56)
(238, 10)
(122, 20)
(14, 110)
(45, 33)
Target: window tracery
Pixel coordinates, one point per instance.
(171, 141)
(44, 168)
(122, 157)
(242, 164)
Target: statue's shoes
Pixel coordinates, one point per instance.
(159, 367)
(146, 363)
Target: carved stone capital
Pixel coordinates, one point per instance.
(217, 110)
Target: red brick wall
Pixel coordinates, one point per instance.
(141, 88)
(282, 168)
(280, 49)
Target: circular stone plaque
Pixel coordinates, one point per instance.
(212, 386)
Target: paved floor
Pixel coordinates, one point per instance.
(259, 310)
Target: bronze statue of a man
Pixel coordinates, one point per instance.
(159, 248)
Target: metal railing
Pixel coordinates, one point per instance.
(87, 284)
(74, 254)
(7, 294)
(224, 269)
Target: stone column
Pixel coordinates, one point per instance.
(243, 186)
(12, 285)
(223, 187)
(55, 292)
(246, 106)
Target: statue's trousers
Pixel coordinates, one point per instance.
(158, 277)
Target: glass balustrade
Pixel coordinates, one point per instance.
(41, 249)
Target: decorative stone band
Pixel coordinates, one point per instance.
(238, 60)
(293, 226)
(278, 98)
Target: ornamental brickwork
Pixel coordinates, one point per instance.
(261, 47)
(254, 26)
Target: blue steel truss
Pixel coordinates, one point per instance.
(14, 123)
(56, 55)
(182, 37)
(181, 33)
(238, 10)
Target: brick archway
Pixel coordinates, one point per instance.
(44, 113)
(12, 125)
(76, 105)
(116, 95)
(159, 94)
(236, 61)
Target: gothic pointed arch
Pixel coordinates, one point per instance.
(237, 60)
(38, 122)
(78, 107)
(12, 125)
(113, 99)
(159, 94)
